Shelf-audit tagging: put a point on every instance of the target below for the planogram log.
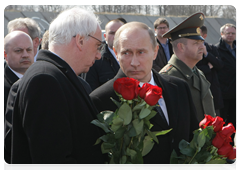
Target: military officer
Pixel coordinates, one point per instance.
(188, 47)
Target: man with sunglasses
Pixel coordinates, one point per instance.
(107, 67)
(52, 111)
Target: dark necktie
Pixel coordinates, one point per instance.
(160, 112)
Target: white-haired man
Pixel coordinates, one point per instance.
(52, 112)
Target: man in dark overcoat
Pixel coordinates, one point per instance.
(52, 110)
(136, 48)
(107, 67)
(227, 75)
(165, 51)
(210, 64)
(19, 56)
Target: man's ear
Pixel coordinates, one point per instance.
(79, 41)
(36, 42)
(5, 55)
(115, 51)
(156, 52)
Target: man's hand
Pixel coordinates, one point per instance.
(204, 50)
(210, 65)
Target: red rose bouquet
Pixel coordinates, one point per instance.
(128, 137)
(210, 144)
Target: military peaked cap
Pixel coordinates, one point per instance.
(189, 28)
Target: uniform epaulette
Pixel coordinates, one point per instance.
(166, 68)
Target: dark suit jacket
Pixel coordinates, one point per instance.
(102, 70)
(52, 115)
(161, 59)
(181, 112)
(227, 75)
(211, 74)
(9, 79)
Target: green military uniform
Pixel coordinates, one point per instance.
(198, 84)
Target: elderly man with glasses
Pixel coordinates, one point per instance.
(52, 111)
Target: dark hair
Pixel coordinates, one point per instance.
(203, 29)
(160, 21)
(123, 20)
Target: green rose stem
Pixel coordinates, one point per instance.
(193, 157)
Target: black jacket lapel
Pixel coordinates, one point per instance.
(169, 92)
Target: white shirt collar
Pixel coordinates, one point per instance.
(17, 74)
(35, 57)
(113, 53)
(161, 101)
(152, 82)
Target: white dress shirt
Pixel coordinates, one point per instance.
(17, 74)
(161, 101)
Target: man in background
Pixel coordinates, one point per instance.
(161, 26)
(227, 75)
(107, 67)
(30, 27)
(210, 65)
(18, 53)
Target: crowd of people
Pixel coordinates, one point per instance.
(55, 85)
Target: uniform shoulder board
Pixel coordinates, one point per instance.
(166, 68)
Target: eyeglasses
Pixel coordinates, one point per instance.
(159, 28)
(100, 47)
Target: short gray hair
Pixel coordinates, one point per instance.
(32, 26)
(71, 22)
(138, 25)
(175, 43)
(222, 29)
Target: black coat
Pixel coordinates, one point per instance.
(181, 113)
(227, 75)
(161, 59)
(211, 74)
(52, 115)
(9, 79)
(102, 70)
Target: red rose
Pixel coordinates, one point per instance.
(153, 94)
(218, 124)
(218, 141)
(207, 121)
(225, 149)
(143, 90)
(232, 154)
(127, 87)
(228, 130)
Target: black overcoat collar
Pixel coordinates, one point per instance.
(48, 56)
(9, 75)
